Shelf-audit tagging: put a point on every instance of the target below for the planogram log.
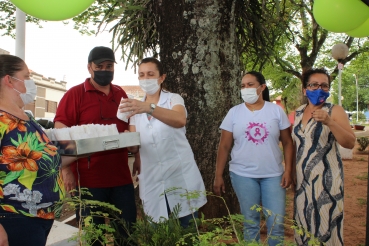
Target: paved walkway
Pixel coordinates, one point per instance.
(364, 133)
(60, 235)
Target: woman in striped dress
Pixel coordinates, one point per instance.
(318, 131)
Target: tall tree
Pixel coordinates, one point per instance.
(199, 43)
(305, 45)
(7, 18)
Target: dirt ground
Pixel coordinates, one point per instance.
(355, 183)
(356, 178)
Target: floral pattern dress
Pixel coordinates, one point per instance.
(30, 178)
(319, 189)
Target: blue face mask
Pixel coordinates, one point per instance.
(317, 97)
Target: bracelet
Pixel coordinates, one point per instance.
(151, 111)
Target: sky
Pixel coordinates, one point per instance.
(60, 52)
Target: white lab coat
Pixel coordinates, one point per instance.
(167, 161)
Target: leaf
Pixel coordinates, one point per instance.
(20, 138)
(12, 176)
(2, 175)
(46, 157)
(15, 143)
(3, 129)
(27, 178)
(56, 187)
(9, 208)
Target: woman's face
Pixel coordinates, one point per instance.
(149, 71)
(19, 77)
(249, 81)
(317, 81)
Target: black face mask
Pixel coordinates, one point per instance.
(103, 78)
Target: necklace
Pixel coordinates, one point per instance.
(252, 109)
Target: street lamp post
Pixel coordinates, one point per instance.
(20, 34)
(357, 99)
(339, 53)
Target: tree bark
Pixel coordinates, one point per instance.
(198, 49)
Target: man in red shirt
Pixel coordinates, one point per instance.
(106, 174)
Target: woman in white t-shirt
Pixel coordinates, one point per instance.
(167, 160)
(254, 128)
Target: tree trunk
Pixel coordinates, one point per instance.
(198, 48)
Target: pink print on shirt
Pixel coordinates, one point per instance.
(256, 132)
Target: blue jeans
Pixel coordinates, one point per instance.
(271, 195)
(23, 230)
(122, 197)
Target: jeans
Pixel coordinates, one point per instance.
(23, 230)
(268, 191)
(122, 197)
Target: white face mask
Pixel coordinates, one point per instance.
(250, 95)
(150, 86)
(31, 91)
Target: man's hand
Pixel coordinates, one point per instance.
(68, 179)
(136, 169)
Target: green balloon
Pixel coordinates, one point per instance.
(340, 15)
(54, 10)
(360, 32)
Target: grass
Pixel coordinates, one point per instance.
(363, 176)
(362, 201)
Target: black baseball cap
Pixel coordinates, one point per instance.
(100, 53)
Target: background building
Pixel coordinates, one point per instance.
(4, 52)
(134, 90)
(49, 93)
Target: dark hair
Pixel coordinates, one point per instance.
(158, 64)
(9, 65)
(260, 78)
(307, 74)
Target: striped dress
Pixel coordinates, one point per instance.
(319, 191)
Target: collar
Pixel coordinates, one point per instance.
(164, 97)
(89, 87)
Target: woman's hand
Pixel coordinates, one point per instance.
(133, 106)
(218, 186)
(3, 237)
(321, 115)
(286, 180)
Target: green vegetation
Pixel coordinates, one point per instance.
(363, 142)
(227, 230)
(363, 176)
(362, 201)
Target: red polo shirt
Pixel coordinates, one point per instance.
(81, 105)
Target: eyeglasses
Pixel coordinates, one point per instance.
(315, 86)
(107, 118)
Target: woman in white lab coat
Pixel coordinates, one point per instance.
(167, 160)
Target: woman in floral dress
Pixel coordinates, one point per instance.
(30, 181)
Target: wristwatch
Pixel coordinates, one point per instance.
(152, 107)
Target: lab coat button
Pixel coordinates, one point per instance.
(150, 126)
(154, 145)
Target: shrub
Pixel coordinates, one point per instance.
(363, 142)
(362, 118)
